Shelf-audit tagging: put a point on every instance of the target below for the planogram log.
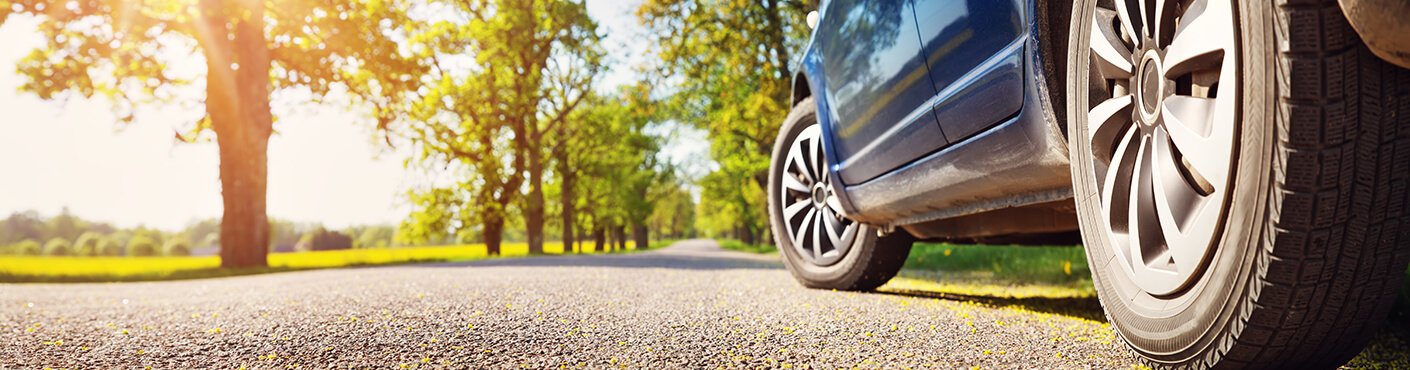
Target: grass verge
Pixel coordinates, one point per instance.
(31, 269)
(736, 245)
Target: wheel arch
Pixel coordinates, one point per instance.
(801, 88)
(1054, 18)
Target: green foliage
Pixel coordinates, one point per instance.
(736, 245)
(31, 225)
(734, 85)
(495, 124)
(378, 236)
(141, 245)
(1060, 264)
(27, 247)
(87, 244)
(109, 247)
(285, 234)
(206, 233)
(58, 247)
(324, 240)
(176, 247)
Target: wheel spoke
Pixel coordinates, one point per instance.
(796, 157)
(1147, 234)
(793, 209)
(1184, 218)
(1190, 121)
(1201, 40)
(1130, 21)
(791, 183)
(1117, 183)
(817, 235)
(1146, 9)
(1112, 59)
(817, 157)
(802, 231)
(1108, 121)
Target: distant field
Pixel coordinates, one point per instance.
(105, 269)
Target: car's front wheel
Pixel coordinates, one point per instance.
(1240, 172)
(821, 248)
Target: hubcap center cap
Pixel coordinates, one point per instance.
(819, 195)
(1151, 87)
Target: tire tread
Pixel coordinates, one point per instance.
(1336, 254)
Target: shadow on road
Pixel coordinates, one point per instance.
(1082, 307)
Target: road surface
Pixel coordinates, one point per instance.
(691, 305)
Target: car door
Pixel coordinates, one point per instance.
(973, 49)
(878, 86)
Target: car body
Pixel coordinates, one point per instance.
(967, 127)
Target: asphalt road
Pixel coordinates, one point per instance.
(691, 305)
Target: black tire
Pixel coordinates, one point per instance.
(1313, 244)
(870, 261)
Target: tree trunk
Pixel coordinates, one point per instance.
(748, 234)
(599, 238)
(580, 240)
(639, 235)
(619, 233)
(533, 212)
(494, 233)
(566, 198)
(237, 104)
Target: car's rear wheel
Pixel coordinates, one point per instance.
(821, 248)
(1240, 174)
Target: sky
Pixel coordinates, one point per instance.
(324, 163)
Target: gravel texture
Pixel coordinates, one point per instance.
(691, 305)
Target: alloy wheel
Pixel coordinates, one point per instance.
(818, 232)
(1162, 119)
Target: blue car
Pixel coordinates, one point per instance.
(1236, 170)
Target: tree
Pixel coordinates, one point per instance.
(58, 247)
(87, 244)
(109, 247)
(176, 247)
(116, 49)
(504, 81)
(28, 247)
(674, 214)
(734, 85)
(141, 245)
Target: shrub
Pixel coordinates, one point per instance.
(324, 240)
(58, 247)
(176, 247)
(141, 246)
(87, 244)
(28, 247)
(108, 247)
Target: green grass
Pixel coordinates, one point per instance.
(736, 245)
(29, 269)
(1053, 264)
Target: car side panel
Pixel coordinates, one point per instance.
(962, 39)
(1019, 161)
(878, 87)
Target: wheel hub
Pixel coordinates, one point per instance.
(1151, 88)
(819, 195)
